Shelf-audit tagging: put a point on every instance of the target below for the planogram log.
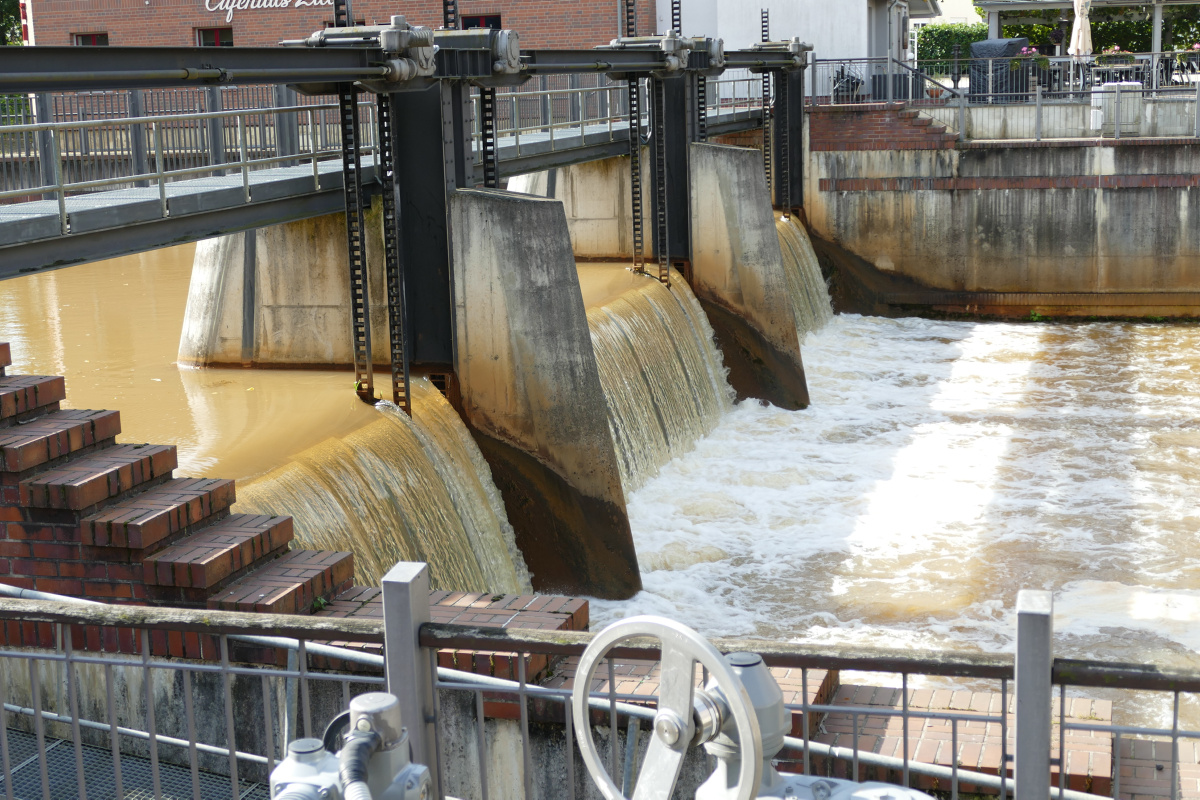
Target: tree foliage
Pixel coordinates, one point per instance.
(10, 22)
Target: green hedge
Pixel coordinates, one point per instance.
(935, 44)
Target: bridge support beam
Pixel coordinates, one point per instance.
(531, 392)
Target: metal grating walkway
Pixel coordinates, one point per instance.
(136, 779)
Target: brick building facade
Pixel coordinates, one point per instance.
(181, 23)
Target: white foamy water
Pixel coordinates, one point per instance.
(942, 467)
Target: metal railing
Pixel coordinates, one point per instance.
(58, 145)
(558, 111)
(70, 706)
(994, 99)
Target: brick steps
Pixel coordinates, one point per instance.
(290, 584)
(23, 396)
(212, 554)
(59, 433)
(149, 518)
(84, 516)
(96, 477)
(875, 127)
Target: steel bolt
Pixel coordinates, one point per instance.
(668, 728)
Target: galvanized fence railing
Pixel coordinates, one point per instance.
(558, 111)
(63, 144)
(80, 157)
(164, 725)
(1022, 98)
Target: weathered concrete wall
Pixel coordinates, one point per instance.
(531, 392)
(301, 296)
(1164, 116)
(739, 277)
(1110, 230)
(596, 199)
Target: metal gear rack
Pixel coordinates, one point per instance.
(766, 104)
(658, 138)
(635, 149)
(393, 259)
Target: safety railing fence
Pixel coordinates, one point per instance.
(155, 151)
(136, 721)
(96, 138)
(146, 722)
(1022, 98)
(560, 109)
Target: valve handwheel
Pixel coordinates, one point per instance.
(674, 727)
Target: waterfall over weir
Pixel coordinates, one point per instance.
(810, 295)
(662, 375)
(400, 490)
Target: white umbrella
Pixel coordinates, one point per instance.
(1081, 31)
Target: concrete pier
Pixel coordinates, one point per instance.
(285, 303)
(531, 392)
(738, 275)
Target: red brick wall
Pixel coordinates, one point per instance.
(541, 24)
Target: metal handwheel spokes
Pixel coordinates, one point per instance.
(675, 727)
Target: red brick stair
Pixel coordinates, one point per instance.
(85, 516)
(23, 396)
(146, 519)
(94, 478)
(59, 433)
(213, 554)
(289, 585)
(875, 126)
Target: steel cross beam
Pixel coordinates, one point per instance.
(48, 69)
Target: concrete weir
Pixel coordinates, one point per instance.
(738, 271)
(531, 391)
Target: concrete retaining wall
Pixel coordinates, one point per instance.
(738, 275)
(1013, 227)
(596, 198)
(300, 311)
(531, 392)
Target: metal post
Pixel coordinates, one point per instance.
(137, 135)
(1033, 664)
(409, 676)
(962, 117)
(1038, 118)
(216, 128)
(287, 125)
(1197, 130)
(43, 106)
(1117, 111)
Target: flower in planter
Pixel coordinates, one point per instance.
(1029, 55)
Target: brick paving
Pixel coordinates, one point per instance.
(979, 745)
(218, 551)
(1145, 769)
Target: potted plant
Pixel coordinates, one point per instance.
(1029, 56)
(1114, 56)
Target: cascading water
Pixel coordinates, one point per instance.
(662, 375)
(810, 295)
(400, 489)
